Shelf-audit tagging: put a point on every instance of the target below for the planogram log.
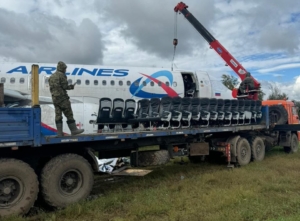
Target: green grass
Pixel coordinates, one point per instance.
(267, 190)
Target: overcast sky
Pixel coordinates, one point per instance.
(263, 35)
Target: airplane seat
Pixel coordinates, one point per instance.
(129, 110)
(165, 112)
(176, 112)
(154, 107)
(142, 113)
(227, 112)
(247, 110)
(143, 108)
(220, 110)
(195, 110)
(103, 118)
(258, 109)
(213, 105)
(117, 112)
(253, 110)
(191, 91)
(205, 113)
(241, 110)
(153, 116)
(235, 112)
(186, 112)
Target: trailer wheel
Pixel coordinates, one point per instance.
(243, 151)
(18, 187)
(279, 113)
(66, 179)
(258, 148)
(294, 145)
(150, 158)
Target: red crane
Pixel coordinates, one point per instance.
(218, 47)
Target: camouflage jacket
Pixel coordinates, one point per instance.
(58, 84)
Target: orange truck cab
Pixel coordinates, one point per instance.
(285, 111)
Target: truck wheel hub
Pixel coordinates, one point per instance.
(71, 182)
(10, 190)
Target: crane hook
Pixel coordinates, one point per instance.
(175, 42)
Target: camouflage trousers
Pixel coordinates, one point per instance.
(63, 107)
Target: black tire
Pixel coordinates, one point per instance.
(268, 146)
(19, 187)
(257, 148)
(294, 145)
(66, 179)
(243, 150)
(278, 114)
(150, 158)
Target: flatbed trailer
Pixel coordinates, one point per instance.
(21, 127)
(62, 168)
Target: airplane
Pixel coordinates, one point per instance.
(95, 82)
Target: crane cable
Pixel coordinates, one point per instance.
(175, 40)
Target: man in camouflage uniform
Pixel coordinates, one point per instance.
(248, 82)
(58, 88)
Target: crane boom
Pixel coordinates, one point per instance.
(217, 46)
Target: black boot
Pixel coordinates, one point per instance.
(74, 130)
(59, 127)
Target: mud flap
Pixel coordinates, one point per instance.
(233, 141)
(93, 159)
(285, 139)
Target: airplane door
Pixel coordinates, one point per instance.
(205, 87)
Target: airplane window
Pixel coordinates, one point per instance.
(120, 83)
(12, 80)
(174, 83)
(87, 82)
(144, 83)
(167, 83)
(112, 82)
(104, 82)
(152, 83)
(128, 83)
(159, 83)
(70, 81)
(136, 83)
(78, 82)
(22, 80)
(95, 82)
(3, 80)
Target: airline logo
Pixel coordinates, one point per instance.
(74, 71)
(136, 88)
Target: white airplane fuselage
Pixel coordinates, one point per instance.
(95, 82)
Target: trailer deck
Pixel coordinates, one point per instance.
(22, 127)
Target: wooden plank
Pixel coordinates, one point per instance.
(1, 95)
(133, 172)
